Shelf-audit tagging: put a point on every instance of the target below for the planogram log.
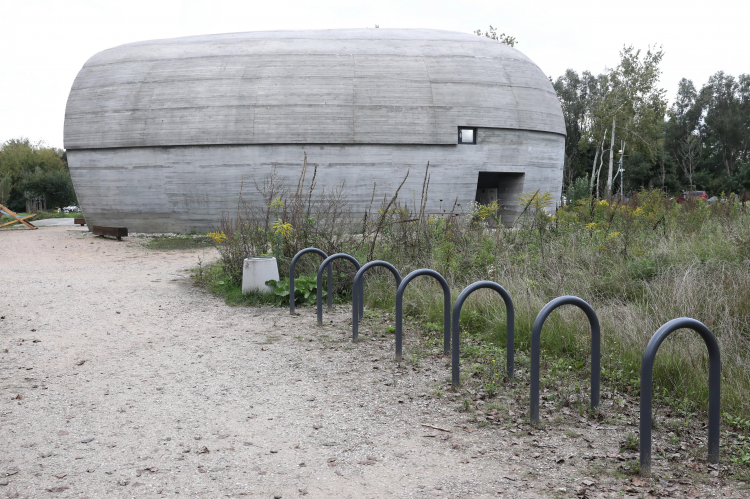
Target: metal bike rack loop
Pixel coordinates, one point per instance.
(328, 261)
(714, 387)
(457, 332)
(536, 333)
(291, 276)
(446, 309)
(358, 303)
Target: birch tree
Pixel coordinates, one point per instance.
(580, 98)
(688, 156)
(633, 104)
(596, 172)
(576, 94)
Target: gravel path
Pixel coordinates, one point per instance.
(118, 378)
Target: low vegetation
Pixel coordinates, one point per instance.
(639, 263)
(33, 171)
(41, 215)
(179, 242)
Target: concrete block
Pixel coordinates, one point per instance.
(256, 271)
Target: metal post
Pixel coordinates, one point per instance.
(510, 327)
(361, 299)
(446, 309)
(714, 387)
(329, 261)
(536, 333)
(291, 277)
(358, 303)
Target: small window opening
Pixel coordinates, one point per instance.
(467, 135)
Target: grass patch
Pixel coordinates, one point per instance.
(42, 215)
(165, 243)
(213, 279)
(698, 266)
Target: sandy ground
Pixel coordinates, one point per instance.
(119, 378)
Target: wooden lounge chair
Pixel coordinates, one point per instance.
(10, 213)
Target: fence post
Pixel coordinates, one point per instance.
(446, 309)
(358, 304)
(536, 333)
(714, 388)
(291, 276)
(510, 327)
(329, 261)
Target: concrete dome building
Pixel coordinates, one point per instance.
(160, 133)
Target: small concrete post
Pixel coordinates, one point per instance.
(256, 271)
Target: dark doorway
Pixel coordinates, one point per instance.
(502, 187)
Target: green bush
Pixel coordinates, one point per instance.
(741, 180)
(579, 189)
(55, 187)
(305, 290)
(34, 168)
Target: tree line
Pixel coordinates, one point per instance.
(623, 135)
(32, 170)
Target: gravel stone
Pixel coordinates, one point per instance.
(136, 365)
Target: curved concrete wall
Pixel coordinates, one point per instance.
(178, 189)
(159, 133)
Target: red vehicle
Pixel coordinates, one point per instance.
(693, 194)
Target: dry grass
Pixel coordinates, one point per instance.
(639, 265)
(696, 266)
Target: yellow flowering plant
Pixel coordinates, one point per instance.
(283, 229)
(217, 236)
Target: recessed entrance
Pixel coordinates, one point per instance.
(502, 187)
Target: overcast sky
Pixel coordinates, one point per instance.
(44, 43)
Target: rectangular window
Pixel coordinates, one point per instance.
(467, 135)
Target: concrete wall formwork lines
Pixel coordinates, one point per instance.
(239, 91)
(159, 133)
(191, 186)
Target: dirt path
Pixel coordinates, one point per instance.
(118, 378)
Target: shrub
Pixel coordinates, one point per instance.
(287, 221)
(579, 189)
(305, 290)
(55, 186)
